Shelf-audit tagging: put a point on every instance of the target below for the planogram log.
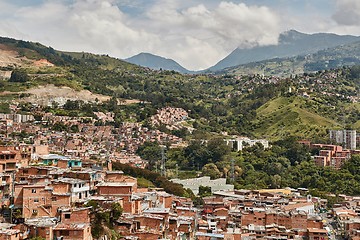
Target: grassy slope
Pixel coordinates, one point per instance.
(280, 67)
(289, 116)
(357, 124)
(144, 183)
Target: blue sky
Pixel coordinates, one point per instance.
(196, 33)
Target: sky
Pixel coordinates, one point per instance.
(195, 33)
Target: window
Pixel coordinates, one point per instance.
(54, 199)
(34, 211)
(36, 200)
(67, 215)
(64, 232)
(33, 190)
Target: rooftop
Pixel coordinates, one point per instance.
(72, 226)
(70, 180)
(157, 210)
(116, 184)
(53, 157)
(41, 222)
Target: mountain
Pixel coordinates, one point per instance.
(156, 62)
(330, 58)
(252, 105)
(291, 43)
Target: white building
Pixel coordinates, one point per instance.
(345, 137)
(215, 185)
(79, 189)
(240, 142)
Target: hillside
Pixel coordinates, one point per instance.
(291, 43)
(330, 58)
(250, 105)
(156, 62)
(284, 116)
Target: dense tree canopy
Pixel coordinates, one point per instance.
(19, 75)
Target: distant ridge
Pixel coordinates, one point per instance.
(291, 43)
(156, 62)
(326, 59)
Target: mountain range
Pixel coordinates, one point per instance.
(250, 105)
(291, 43)
(330, 58)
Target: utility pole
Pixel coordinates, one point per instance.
(177, 171)
(163, 161)
(12, 195)
(232, 170)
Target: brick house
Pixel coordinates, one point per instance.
(36, 201)
(74, 225)
(7, 161)
(78, 189)
(317, 234)
(120, 189)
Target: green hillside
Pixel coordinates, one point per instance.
(284, 116)
(249, 105)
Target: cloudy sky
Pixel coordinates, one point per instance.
(195, 33)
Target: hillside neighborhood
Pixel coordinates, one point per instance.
(54, 184)
(93, 147)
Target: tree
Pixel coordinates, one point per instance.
(197, 153)
(218, 149)
(182, 133)
(72, 105)
(59, 127)
(150, 151)
(211, 170)
(19, 75)
(74, 128)
(116, 210)
(353, 165)
(204, 191)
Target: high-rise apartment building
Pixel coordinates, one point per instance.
(348, 138)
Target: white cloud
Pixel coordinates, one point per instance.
(106, 28)
(347, 13)
(86, 25)
(197, 36)
(215, 31)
